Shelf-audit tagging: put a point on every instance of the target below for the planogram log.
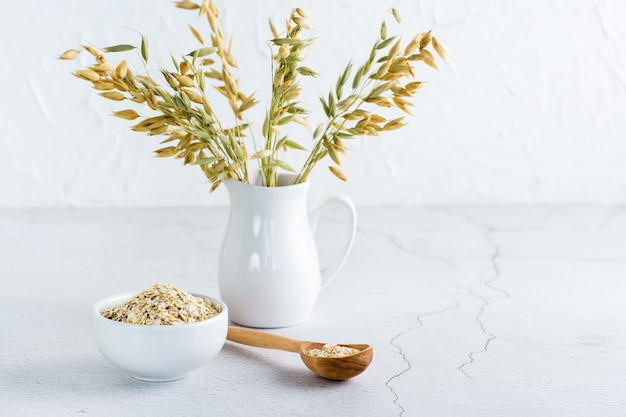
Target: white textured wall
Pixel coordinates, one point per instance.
(531, 109)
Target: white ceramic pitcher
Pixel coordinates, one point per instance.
(269, 272)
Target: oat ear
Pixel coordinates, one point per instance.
(354, 106)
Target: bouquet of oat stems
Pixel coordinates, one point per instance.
(181, 106)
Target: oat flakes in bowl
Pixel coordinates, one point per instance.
(160, 334)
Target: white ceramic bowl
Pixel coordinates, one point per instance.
(158, 353)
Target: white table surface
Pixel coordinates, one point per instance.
(492, 311)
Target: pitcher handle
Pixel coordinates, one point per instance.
(329, 271)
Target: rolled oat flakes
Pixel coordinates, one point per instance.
(331, 350)
(163, 304)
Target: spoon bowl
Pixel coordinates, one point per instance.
(333, 368)
(337, 368)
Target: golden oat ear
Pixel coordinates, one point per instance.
(69, 54)
(128, 114)
(440, 49)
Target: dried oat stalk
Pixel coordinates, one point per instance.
(385, 81)
(179, 107)
(289, 50)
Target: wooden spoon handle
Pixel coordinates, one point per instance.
(261, 339)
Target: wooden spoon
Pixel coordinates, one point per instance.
(336, 368)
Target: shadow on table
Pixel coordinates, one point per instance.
(90, 375)
(84, 376)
